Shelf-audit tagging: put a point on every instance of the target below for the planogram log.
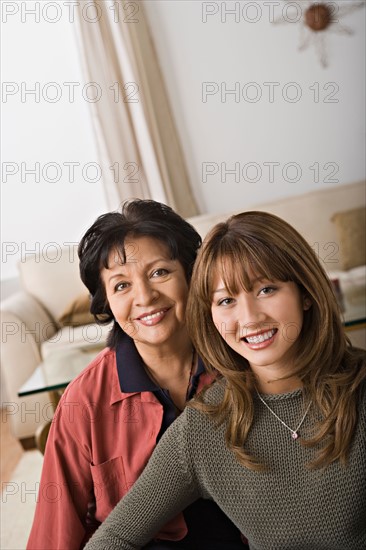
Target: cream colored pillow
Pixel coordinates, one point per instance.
(351, 229)
(77, 313)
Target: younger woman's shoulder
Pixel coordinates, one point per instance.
(215, 392)
(197, 410)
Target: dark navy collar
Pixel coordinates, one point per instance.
(132, 374)
(130, 367)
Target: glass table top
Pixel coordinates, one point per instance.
(57, 370)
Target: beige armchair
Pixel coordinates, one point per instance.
(31, 331)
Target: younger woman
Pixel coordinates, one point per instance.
(279, 443)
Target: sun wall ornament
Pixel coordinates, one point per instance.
(316, 19)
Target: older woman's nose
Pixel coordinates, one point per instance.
(145, 293)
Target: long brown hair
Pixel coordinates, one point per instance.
(330, 369)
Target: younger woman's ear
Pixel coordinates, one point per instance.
(306, 303)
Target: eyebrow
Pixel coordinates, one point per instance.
(116, 276)
(148, 266)
(252, 281)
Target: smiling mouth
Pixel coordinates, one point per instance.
(152, 316)
(259, 338)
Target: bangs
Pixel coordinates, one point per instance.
(238, 262)
(117, 246)
(118, 249)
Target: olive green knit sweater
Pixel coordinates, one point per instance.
(287, 507)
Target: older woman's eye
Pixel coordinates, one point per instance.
(120, 286)
(160, 272)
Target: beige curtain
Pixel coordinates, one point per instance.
(140, 154)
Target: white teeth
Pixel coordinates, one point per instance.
(153, 316)
(260, 337)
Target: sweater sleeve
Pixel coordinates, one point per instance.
(166, 486)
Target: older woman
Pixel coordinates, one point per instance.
(137, 265)
(279, 442)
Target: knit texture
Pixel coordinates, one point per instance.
(287, 507)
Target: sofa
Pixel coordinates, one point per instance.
(49, 316)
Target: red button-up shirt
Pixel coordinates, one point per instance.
(99, 443)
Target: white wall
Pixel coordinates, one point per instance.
(191, 52)
(36, 130)
(225, 131)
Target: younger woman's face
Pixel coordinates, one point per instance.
(263, 324)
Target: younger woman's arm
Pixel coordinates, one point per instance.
(166, 486)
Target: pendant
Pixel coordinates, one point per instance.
(294, 435)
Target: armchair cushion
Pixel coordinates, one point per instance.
(351, 228)
(77, 312)
(52, 277)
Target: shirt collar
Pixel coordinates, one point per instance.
(195, 378)
(130, 368)
(132, 375)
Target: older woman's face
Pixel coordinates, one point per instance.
(148, 293)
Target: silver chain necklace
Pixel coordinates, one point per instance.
(294, 433)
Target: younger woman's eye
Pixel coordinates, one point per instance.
(267, 290)
(225, 302)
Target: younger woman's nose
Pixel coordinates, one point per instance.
(251, 315)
